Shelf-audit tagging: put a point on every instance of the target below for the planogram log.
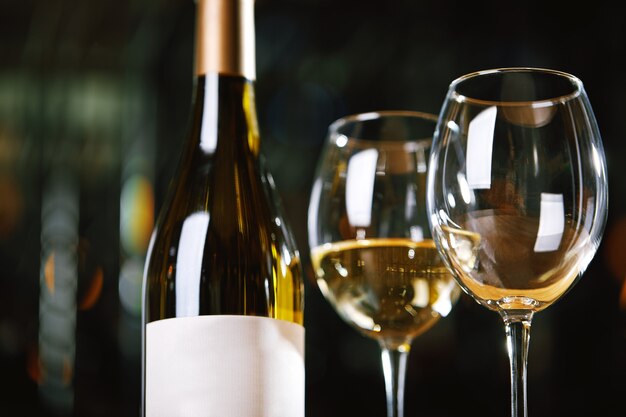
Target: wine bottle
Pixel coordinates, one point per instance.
(223, 292)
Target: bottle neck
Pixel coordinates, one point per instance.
(226, 111)
(225, 74)
(225, 38)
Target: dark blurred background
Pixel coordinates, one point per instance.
(94, 104)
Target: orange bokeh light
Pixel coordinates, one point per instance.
(48, 273)
(33, 365)
(615, 249)
(94, 291)
(615, 255)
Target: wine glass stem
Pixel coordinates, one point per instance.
(394, 369)
(517, 339)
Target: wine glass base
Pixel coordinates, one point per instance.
(517, 303)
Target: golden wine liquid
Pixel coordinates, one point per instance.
(503, 263)
(391, 289)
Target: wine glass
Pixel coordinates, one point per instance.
(369, 236)
(517, 195)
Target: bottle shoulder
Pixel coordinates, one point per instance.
(234, 243)
(226, 190)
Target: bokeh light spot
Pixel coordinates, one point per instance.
(95, 290)
(33, 365)
(614, 249)
(48, 273)
(11, 206)
(137, 214)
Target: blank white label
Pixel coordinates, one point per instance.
(224, 366)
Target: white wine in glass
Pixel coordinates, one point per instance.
(390, 288)
(517, 195)
(370, 242)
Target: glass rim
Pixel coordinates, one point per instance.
(576, 83)
(334, 128)
(378, 114)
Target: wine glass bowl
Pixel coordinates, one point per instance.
(371, 249)
(517, 194)
(395, 291)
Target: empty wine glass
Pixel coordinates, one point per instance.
(370, 241)
(517, 195)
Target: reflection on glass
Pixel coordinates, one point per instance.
(479, 148)
(208, 134)
(360, 187)
(189, 264)
(551, 223)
